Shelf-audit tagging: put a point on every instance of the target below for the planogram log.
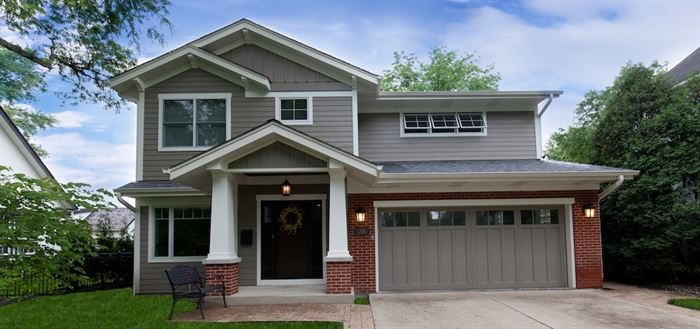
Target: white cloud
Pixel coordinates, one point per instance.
(71, 119)
(79, 158)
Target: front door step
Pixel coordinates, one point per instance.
(293, 294)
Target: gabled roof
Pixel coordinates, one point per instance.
(265, 134)
(687, 67)
(23, 145)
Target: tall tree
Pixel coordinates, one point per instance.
(446, 70)
(84, 42)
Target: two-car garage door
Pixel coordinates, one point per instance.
(460, 248)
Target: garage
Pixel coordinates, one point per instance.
(439, 248)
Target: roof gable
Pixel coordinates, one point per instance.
(23, 145)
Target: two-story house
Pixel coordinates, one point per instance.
(269, 162)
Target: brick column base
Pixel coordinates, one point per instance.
(215, 273)
(339, 277)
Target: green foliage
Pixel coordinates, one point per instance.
(446, 71)
(119, 308)
(691, 303)
(45, 239)
(361, 300)
(29, 122)
(651, 225)
(108, 242)
(82, 40)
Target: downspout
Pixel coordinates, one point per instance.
(612, 188)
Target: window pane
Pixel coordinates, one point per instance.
(179, 134)
(508, 217)
(433, 218)
(287, 115)
(413, 219)
(300, 115)
(444, 120)
(211, 110)
(287, 104)
(482, 217)
(300, 103)
(191, 235)
(445, 218)
(554, 216)
(177, 111)
(459, 218)
(387, 219)
(209, 134)
(416, 121)
(526, 217)
(161, 232)
(495, 218)
(400, 218)
(468, 120)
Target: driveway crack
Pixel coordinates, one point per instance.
(517, 310)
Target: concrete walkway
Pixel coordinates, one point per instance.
(623, 307)
(352, 316)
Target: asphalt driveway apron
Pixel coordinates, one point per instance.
(525, 309)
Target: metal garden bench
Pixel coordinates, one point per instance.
(186, 282)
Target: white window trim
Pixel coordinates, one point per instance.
(432, 134)
(309, 110)
(162, 97)
(152, 258)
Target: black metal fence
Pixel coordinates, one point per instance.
(103, 271)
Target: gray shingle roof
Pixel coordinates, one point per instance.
(158, 184)
(117, 218)
(492, 166)
(687, 67)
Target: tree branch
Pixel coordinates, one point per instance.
(25, 53)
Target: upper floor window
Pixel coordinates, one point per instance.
(294, 110)
(193, 121)
(443, 124)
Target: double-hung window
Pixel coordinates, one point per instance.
(294, 110)
(180, 233)
(193, 121)
(443, 124)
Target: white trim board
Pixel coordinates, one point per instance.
(258, 235)
(472, 202)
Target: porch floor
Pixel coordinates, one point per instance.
(286, 294)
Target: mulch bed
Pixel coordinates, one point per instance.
(680, 289)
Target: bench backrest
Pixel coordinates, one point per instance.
(183, 275)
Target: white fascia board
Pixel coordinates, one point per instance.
(148, 192)
(201, 54)
(496, 176)
(472, 202)
(289, 43)
(496, 94)
(257, 136)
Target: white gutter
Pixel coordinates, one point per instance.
(612, 188)
(124, 202)
(546, 105)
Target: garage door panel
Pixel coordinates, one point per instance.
(494, 256)
(386, 243)
(459, 257)
(400, 261)
(508, 268)
(445, 256)
(554, 256)
(539, 252)
(414, 258)
(481, 257)
(429, 258)
(524, 259)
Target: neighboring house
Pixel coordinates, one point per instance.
(269, 162)
(687, 67)
(118, 221)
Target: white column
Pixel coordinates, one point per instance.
(338, 226)
(222, 241)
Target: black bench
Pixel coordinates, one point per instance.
(186, 282)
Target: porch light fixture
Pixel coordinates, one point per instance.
(588, 210)
(360, 215)
(286, 188)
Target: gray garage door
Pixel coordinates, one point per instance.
(502, 247)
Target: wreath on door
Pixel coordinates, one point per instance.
(290, 219)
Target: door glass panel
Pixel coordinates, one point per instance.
(413, 218)
(482, 217)
(526, 217)
(400, 218)
(459, 218)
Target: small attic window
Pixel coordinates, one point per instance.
(443, 124)
(294, 110)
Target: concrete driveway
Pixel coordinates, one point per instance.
(622, 307)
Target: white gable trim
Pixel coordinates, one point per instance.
(24, 149)
(258, 135)
(210, 62)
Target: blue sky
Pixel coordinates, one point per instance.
(575, 46)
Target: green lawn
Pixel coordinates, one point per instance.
(362, 300)
(692, 303)
(118, 309)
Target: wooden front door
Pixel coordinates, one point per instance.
(291, 240)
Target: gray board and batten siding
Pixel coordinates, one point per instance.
(278, 155)
(510, 135)
(332, 117)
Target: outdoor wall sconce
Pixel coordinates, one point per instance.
(360, 215)
(286, 188)
(588, 210)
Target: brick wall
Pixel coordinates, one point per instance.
(215, 273)
(339, 277)
(587, 244)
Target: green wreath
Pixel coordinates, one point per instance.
(292, 226)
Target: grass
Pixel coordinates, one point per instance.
(691, 303)
(118, 308)
(362, 300)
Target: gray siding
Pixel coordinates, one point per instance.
(152, 278)
(247, 220)
(510, 135)
(278, 155)
(332, 117)
(284, 75)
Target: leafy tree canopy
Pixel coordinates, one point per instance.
(84, 42)
(446, 70)
(43, 239)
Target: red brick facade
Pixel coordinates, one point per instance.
(587, 243)
(215, 273)
(339, 277)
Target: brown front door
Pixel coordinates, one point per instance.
(291, 243)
